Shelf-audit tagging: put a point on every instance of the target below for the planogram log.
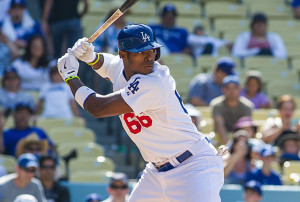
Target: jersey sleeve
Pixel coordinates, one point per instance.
(110, 66)
(144, 92)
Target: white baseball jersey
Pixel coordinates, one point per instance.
(160, 125)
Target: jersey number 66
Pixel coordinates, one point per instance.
(135, 126)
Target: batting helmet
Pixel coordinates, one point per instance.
(138, 38)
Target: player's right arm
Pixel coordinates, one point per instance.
(96, 104)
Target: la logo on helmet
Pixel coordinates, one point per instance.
(145, 37)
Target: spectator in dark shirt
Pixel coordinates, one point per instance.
(64, 20)
(168, 34)
(53, 190)
(229, 108)
(22, 129)
(296, 8)
(266, 175)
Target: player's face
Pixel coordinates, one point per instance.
(251, 196)
(138, 63)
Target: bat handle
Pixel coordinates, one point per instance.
(101, 29)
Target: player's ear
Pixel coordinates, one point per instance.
(122, 54)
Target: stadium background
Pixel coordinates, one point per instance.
(103, 146)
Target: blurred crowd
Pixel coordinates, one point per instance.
(31, 87)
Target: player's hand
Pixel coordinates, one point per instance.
(84, 51)
(68, 65)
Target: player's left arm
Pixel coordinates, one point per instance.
(96, 104)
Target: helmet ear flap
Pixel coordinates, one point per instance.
(157, 54)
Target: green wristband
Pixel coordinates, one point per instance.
(70, 78)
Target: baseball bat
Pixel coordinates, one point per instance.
(126, 5)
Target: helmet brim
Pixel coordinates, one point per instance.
(145, 47)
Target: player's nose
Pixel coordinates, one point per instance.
(149, 56)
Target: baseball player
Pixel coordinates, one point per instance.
(182, 164)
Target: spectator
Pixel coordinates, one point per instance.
(32, 144)
(252, 191)
(25, 198)
(205, 87)
(229, 108)
(288, 143)
(8, 52)
(237, 164)
(266, 175)
(63, 19)
(274, 127)
(11, 93)
(118, 188)
(296, 8)
(93, 197)
(104, 42)
(253, 90)
(173, 38)
(19, 26)
(258, 41)
(56, 108)
(23, 181)
(22, 129)
(32, 67)
(203, 44)
(53, 190)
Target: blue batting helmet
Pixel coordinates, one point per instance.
(138, 38)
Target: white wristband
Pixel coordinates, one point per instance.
(82, 94)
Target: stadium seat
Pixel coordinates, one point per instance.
(270, 63)
(191, 22)
(221, 25)
(86, 164)
(8, 162)
(207, 125)
(185, 8)
(293, 50)
(231, 35)
(143, 8)
(90, 23)
(98, 7)
(290, 168)
(205, 111)
(83, 149)
(141, 19)
(263, 114)
(225, 9)
(48, 124)
(285, 26)
(91, 176)
(71, 134)
(278, 88)
(272, 10)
